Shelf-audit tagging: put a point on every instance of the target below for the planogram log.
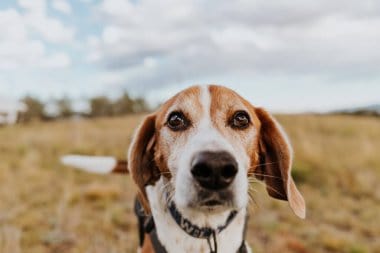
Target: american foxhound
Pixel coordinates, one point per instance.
(191, 161)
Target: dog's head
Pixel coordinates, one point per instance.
(206, 142)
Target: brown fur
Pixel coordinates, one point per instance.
(121, 167)
(147, 247)
(143, 169)
(276, 156)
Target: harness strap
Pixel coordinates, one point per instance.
(243, 247)
(141, 217)
(157, 246)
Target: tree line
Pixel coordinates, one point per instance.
(100, 106)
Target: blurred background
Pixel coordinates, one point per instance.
(77, 76)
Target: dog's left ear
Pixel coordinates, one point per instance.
(141, 158)
(276, 162)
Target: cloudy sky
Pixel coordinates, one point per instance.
(285, 55)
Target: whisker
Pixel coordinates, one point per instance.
(261, 164)
(168, 190)
(265, 175)
(268, 186)
(251, 192)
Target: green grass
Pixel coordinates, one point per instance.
(46, 207)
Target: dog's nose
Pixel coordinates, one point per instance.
(214, 170)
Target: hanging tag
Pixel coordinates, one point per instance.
(212, 245)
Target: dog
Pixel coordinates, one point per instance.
(192, 161)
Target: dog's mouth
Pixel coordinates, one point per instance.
(212, 203)
(215, 199)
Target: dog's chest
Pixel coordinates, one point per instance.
(174, 239)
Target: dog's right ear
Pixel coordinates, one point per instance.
(276, 162)
(141, 158)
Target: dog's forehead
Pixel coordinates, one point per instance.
(226, 101)
(194, 99)
(223, 99)
(186, 100)
(194, 95)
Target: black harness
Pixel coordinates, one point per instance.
(147, 226)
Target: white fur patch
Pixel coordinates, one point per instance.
(94, 164)
(206, 101)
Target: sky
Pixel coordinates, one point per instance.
(288, 56)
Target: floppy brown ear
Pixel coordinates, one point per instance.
(141, 158)
(276, 162)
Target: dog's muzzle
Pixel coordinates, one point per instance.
(214, 172)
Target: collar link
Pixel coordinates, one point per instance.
(199, 232)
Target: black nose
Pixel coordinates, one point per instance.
(214, 170)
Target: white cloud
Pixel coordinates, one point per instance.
(87, 1)
(117, 8)
(304, 48)
(56, 60)
(112, 35)
(19, 49)
(50, 29)
(37, 7)
(24, 35)
(195, 40)
(62, 6)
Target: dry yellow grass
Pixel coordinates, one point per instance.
(45, 207)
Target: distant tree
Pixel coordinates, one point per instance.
(140, 105)
(123, 105)
(100, 106)
(64, 108)
(34, 111)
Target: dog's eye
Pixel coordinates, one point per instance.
(177, 121)
(240, 120)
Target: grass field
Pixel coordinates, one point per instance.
(45, 207)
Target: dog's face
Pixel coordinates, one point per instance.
(207, 142)
(206, 139)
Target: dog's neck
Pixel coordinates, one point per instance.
(174, 239)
